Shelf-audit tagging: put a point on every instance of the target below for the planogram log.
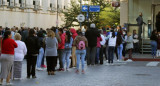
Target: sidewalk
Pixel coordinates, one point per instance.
(142, 57)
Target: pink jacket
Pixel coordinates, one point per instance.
(98, 42)
(61, 45)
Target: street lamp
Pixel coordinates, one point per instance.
(57, 14)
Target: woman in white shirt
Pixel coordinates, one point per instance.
(111, 47)
(20, 52)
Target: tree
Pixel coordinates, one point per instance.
(107, 16)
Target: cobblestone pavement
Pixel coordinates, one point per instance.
(120, 74)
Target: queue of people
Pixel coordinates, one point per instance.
(59, 46)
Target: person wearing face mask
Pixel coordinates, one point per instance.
(124, 43)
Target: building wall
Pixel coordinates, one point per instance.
(44, 17)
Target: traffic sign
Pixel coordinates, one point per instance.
(84, 8)
(81, 18)
(94, 9)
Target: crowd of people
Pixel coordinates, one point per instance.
(59, 45)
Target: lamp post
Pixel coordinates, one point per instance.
(80, 12)
(57, 14)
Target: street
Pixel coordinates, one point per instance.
(120, 74)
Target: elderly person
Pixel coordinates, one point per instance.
(20, 52)
(7, 57)
(51, 51)
(129, 45)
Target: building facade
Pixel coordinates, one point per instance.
(32, 13)
(130, 10)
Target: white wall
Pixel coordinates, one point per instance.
(30, 18)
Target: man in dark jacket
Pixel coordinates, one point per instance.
(140, 23)
(91, 35)
(158, 22)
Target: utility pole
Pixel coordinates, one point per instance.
(80, 13)
(57, 14)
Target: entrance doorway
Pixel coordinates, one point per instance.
(155, 10)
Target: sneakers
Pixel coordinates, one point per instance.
(61, 69)
(39, 69)
(43, 66)
(129, 60)
(9, 84)
(34, 77)
(77, 71)
(83, 72)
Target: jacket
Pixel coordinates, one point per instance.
(20, 51)
(99, 39)
(112, 41)
(129, 42)
(33, 45)
(91, 36)
(78, 39)
(62, 43)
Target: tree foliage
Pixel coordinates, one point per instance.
(107, 16)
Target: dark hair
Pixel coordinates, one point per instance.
(6, 34)
(40, 34)
(68, 34)
(113, 34)
(31, 32)
(153, 32)
(119, 38)
(61, 30)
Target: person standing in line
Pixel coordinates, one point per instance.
(99, 39)
(129, 45)
(74, 58)
(154, 40)
(81, 43)
(61, 49)
(111, 47)
(124, 43)
(13, 32)
(41, 50)
(20, 52)
(103, 42)
(51, 44)
(91, 35)
(119, 45)
(67, 49)
(7, 57)
(33, 47)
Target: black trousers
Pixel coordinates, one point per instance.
(124, 50)
(51, 63)
(101, 55)
(31, 65)
(60, 56)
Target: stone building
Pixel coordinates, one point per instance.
(32, 13)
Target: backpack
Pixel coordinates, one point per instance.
(81, 45)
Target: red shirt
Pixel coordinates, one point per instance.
(8, 46)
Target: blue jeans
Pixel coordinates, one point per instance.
(40, 57)
(154, 47)
(110, 54)
(119, 51)
(80, 54)
(97, 55)
(66, 55)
